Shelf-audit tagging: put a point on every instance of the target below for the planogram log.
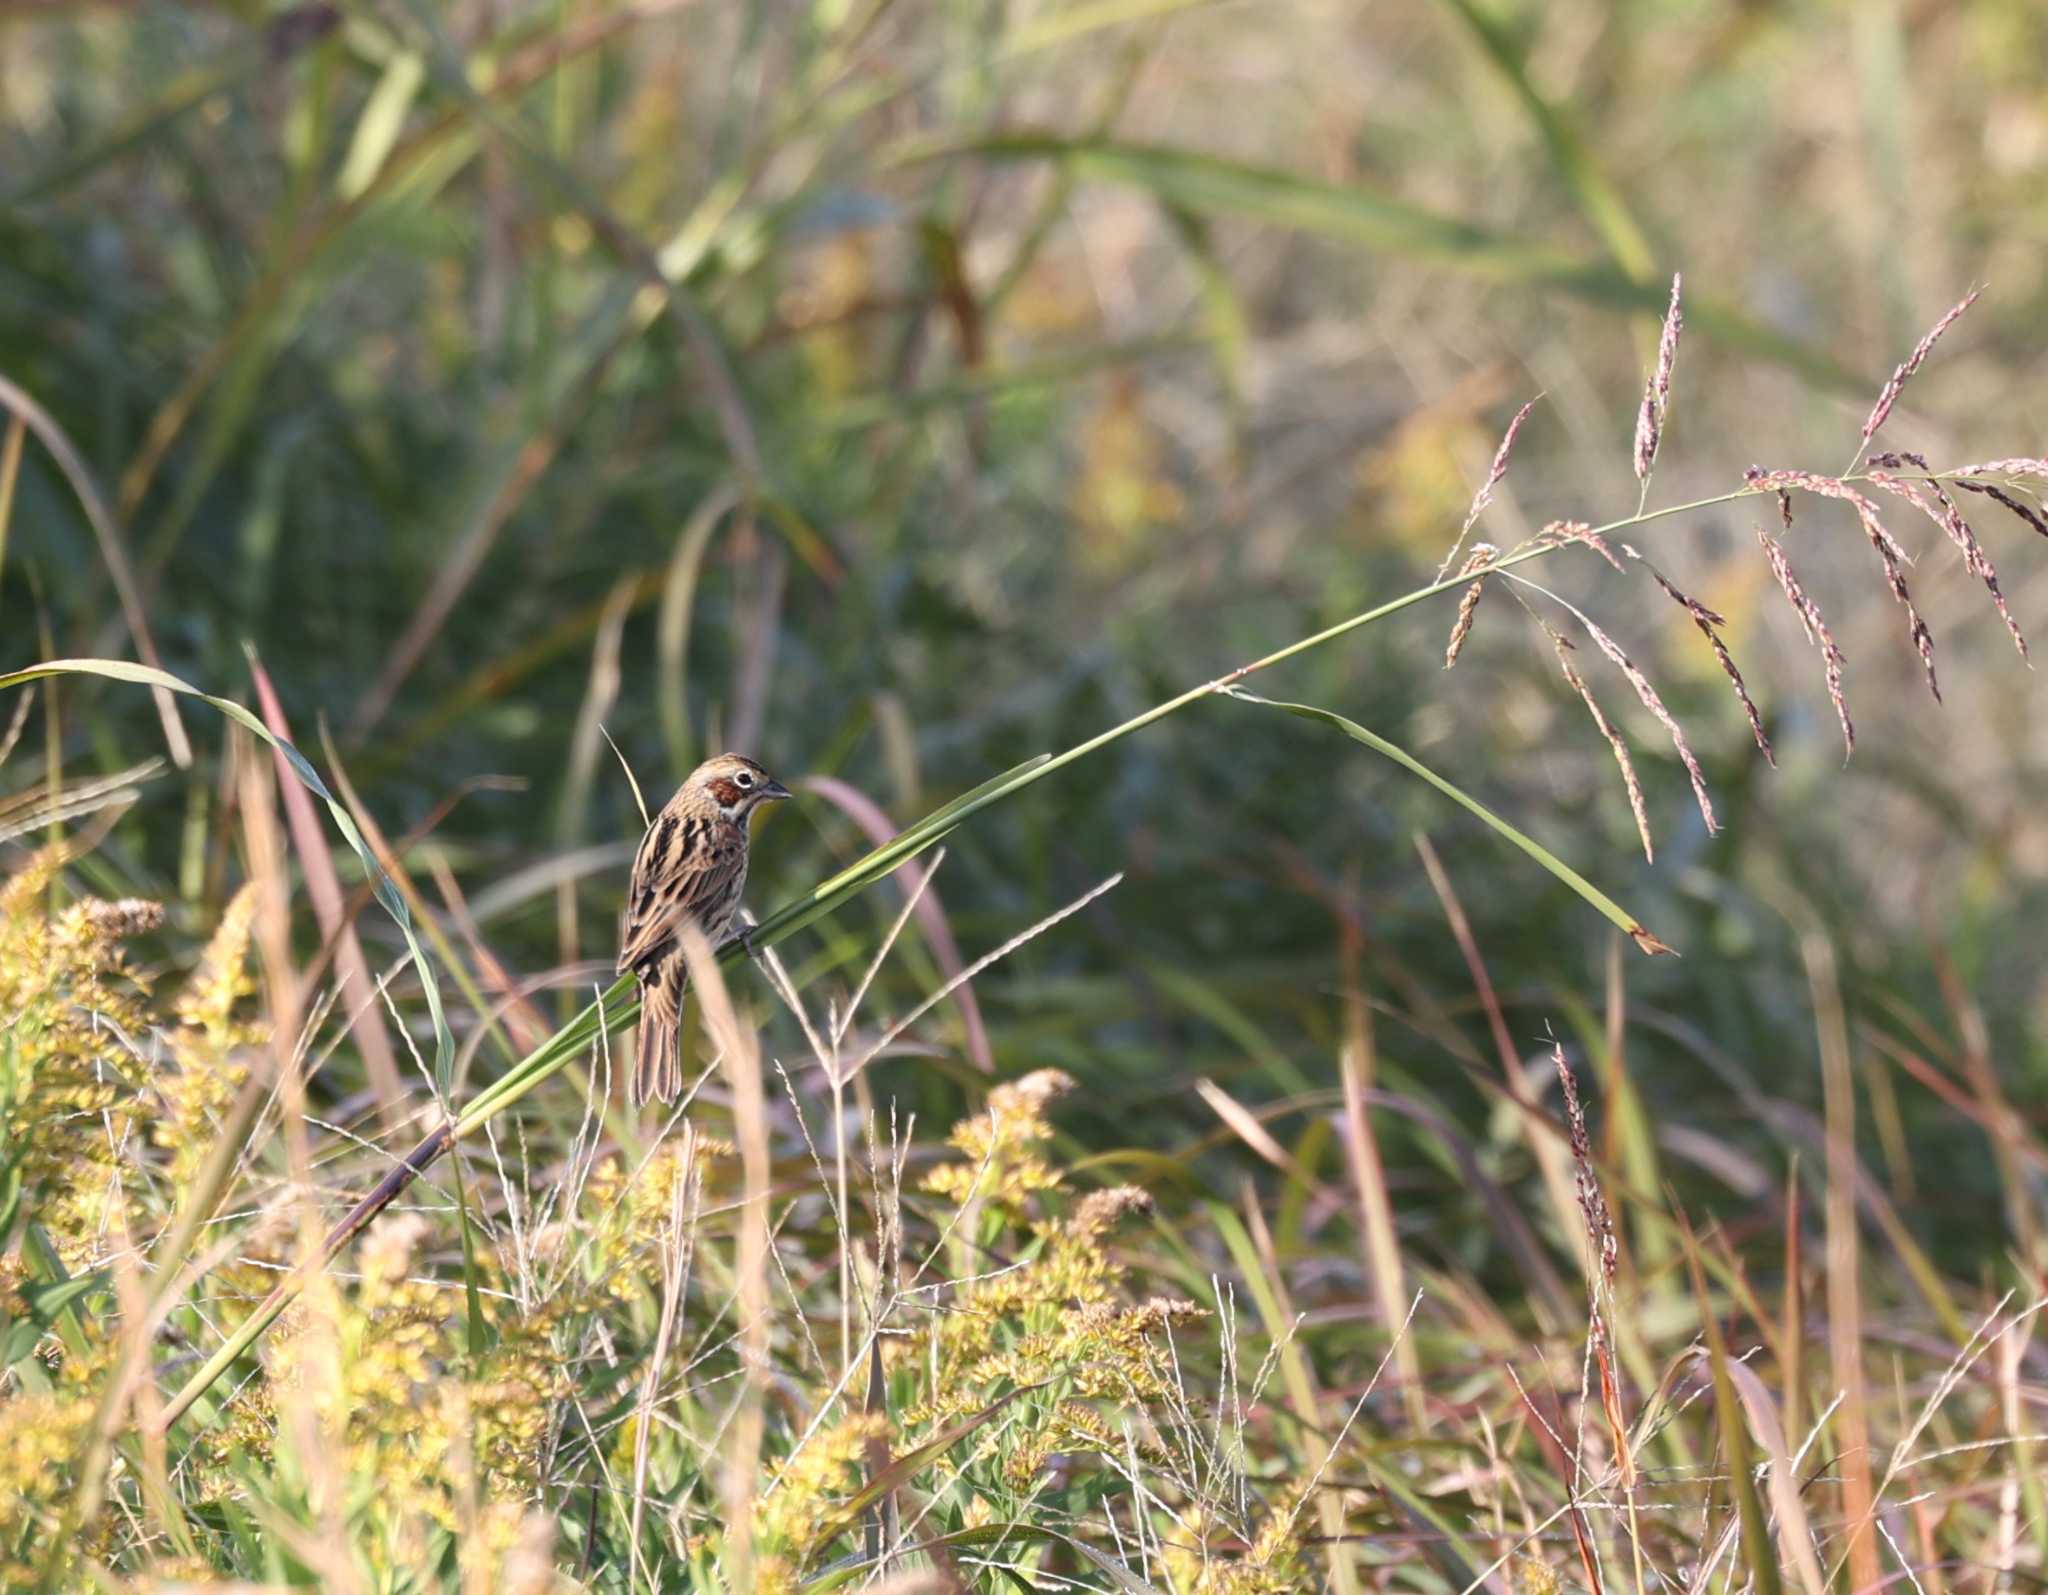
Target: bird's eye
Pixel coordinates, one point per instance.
(743, 780)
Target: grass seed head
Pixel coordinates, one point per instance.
(1912, 363)
(1656, 405)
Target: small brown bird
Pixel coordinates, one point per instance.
(692, 866)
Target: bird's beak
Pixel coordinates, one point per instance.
(775, 792)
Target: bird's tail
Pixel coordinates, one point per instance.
(657, 1068)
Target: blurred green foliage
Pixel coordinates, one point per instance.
(900, 389)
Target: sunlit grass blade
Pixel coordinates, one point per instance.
(1528, 844)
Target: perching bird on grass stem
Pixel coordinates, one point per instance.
(691, 867)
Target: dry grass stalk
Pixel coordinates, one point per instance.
(1614, 738)
(1912, 363)
(1709, 623)
(1657, 392)
(1815, 627)
(1484, 496)
(1888, 551)
(1482, 553)
(1604, 1264)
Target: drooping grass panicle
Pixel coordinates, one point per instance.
(1709, 624)
(1943, 512)
(1912, 363)
(1468, 603)
(1656, 405)
(1815, 627)
(1629, 780)
(1887, 547)
(1999, 495)
(1484, 497)
(1665, 718)
(1647, 693)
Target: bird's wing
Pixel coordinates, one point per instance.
(680, 871)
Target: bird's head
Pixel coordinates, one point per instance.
(737, 785)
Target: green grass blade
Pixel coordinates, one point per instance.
(1528, 844)
(477, 1326)
(1599, 201)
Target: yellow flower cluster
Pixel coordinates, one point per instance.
(636, 1209)
(790, 1524)
(377, 1378)
(1270, 1564)
(1003, 1164)
(1053, 1324)
(68, 1064)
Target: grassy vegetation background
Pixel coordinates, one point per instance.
(896, 391)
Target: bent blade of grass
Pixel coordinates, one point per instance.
(1541, 854)
(386, 892)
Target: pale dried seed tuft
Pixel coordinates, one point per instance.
(1100, 1210)
(129, 916)
(1816, 630)
(1709, 624)
(1912, 363)
(1657, 391)
(1030, 1093)
(1636, 805)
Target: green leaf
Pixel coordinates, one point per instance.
(10, 1200)
(1528, 844)
(50, 1301)
(47, 1301)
